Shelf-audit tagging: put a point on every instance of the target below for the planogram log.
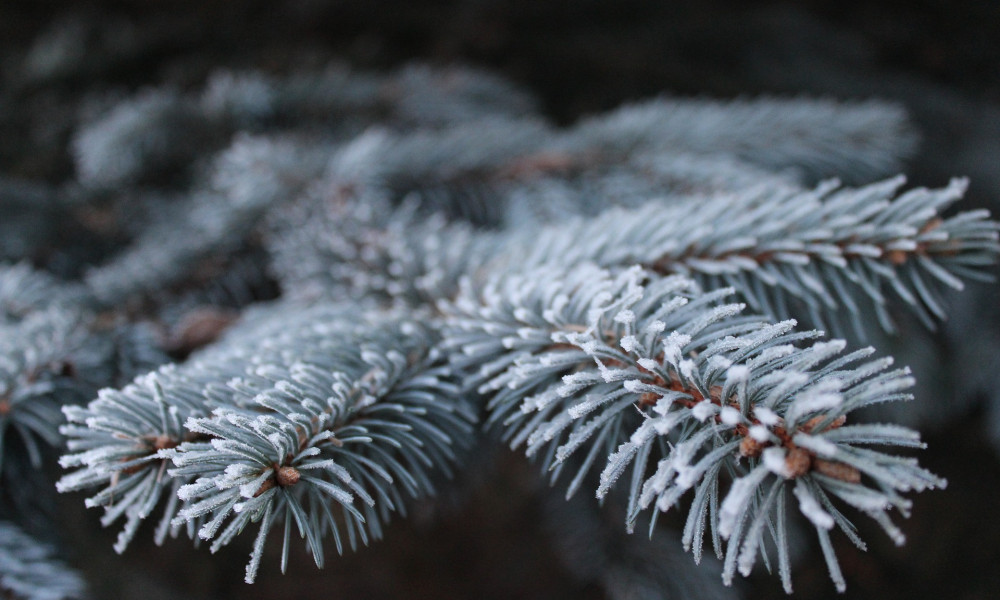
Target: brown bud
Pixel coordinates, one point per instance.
(162, 442)
(134, 468)
(5, 406)
(287, 476)
(813, 422)
(715, 394)
(798, 462)
(542, 162)
(837, 470)
(896, 257)
(932, 225)
(200, 327)
(268, 484)
(648, 398)
(751, 448)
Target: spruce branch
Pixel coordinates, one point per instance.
(478, 169)
(769, 134)
(816, 138)
(333, 406)
(115, 442)
(358, 248)
(161, 131)
(24, 290)
(36, 368)
(54, 352)
(650, 372)
(376, 426)
(437, 197)
(30, 569)
(246, 180)
(827, 254)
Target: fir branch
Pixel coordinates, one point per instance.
(29, 569)
(813, 137)
(160, 130)
(827, 254)
(372, 426)
(246, 180)
(651, 372)
(156, 131)
(360, 248)
(362, 402)
(24, 290)
(115, 441)
(36, 368)
(337, 97)
(472, 169)
(475, 171)
(454, 210)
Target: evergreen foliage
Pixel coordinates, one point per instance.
(30, 569)
(620, 298)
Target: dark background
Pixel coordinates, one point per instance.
(940, 59)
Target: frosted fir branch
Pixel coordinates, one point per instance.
(477, 171)
(158, 130)
(161, 130)
(459, 171)
(54, 352)
(381, 412)
(115, 442)
(338, 97)
(351, 236)
(817, 138)
(649, 372)
(667, 175)
(245, 181)
(114, 445)
(828, 254)
(24, 290)
(421, 96)
(37, 361)
(30, 569)
(360, 248)
(489, 172)
(471, 170)
(371, 424)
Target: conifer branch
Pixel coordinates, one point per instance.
(825, 254)
(161, 130)
(36, 367)
(29, 569)
(116, 440)
(338, 408)
(814, 137)
(651, 372)
(438, 244)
